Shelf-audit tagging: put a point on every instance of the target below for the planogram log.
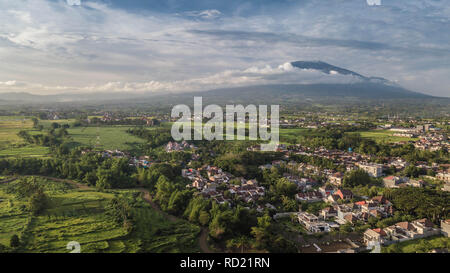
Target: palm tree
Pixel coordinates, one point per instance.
(241, 242)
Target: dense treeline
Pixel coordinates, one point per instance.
(52, 138)
(420, 203)
(321, 162)
(92, 169)
(154, 138)
(245, 164)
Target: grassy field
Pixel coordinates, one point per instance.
(47, 123)
(25, 151)
(10, 127)
(111, 137)
(384, 136)
(79, 215)
(11, 145)
(290, 136)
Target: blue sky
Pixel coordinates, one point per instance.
(49, 46)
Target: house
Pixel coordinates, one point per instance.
(445, 227)
(326, 191)
(351, 218)
(446, 186)
(336, 178)
(344, 210)
(328, 213)
(396, 182)
(404, 231)
(344, 194)
(374, 236)
(416, 183)
(392, 181)
(374, 170)
(312, 223)
(333, 198)
(310, 197)
(444, 176)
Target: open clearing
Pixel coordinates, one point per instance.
(385, 136)
(110, 138)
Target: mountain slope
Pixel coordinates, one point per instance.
(359, 88)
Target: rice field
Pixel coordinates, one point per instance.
(79, 215)
(11, 145)
(109, 138)
(384, 136)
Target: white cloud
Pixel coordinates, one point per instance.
(8, 83)
(74, 2)
(56, 47)
(282, 74)
(204, 14)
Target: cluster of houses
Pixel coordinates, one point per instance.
(141, 161)
(397, 182)
(340, 214)
(218, 181)
(352, 161)
(108, 153)
(432, 142)
(404, 231)
(175, 146)
(430, 137)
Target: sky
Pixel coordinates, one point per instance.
(67, 46)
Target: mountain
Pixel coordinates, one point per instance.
(360, 89)
(331, 69)
(324, 67)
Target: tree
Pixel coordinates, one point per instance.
(284, 187)
(38, 202)
(164, 190)
(203, 218)
(14, 242)
(289, 204)
(55, 125)
(241, 242)
(355, 178)
(263, 231)
(35, 122)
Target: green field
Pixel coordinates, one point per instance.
(291, 136)
(9, 129)
(47, 123)
(110, 138)
(76, 214)
(384, 136)
(11, 145)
